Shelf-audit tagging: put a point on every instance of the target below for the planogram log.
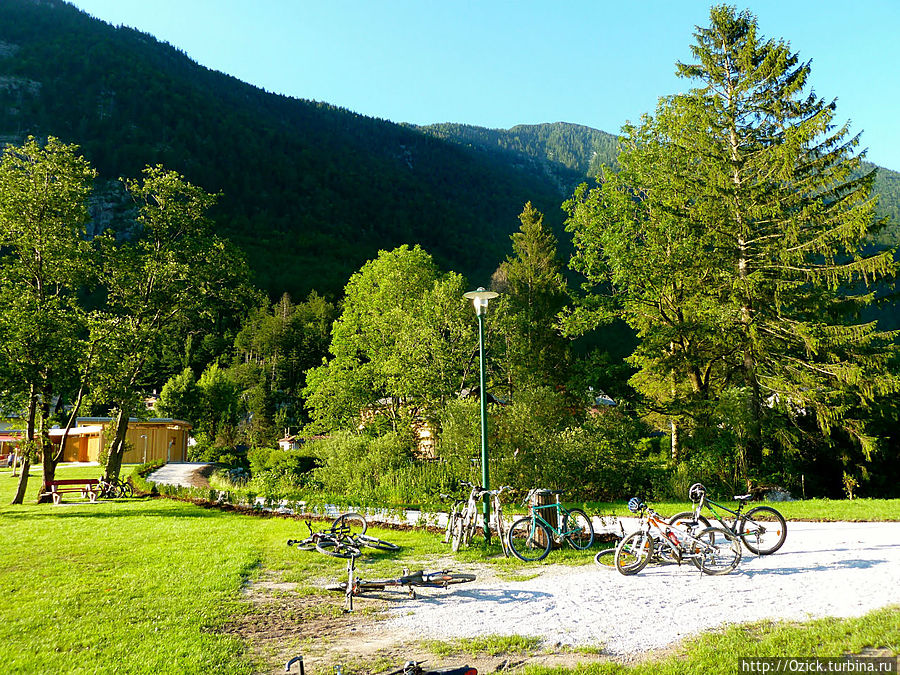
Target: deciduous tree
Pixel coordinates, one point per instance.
(43, 264)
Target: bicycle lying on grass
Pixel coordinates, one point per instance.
(344, 539)
(356, 585)
(409, 668)
(530, 538)
(713, 550)
(761, 529)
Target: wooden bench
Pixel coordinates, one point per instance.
(88, 487)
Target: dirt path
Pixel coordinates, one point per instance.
(579, 614)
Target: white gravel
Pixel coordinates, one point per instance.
(823, 569)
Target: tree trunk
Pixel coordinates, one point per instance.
(117, 449)
(28, 447)
(48, 462)
(676, 440)
(23, 482)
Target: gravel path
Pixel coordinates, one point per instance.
(185, 474)
(823, 569)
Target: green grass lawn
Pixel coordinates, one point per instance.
(146, 585)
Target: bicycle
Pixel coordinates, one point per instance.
(713, 550)
(344, 539)
(409, 668)
(463, 523)
(110, 489)
(531, 537)
(762, 529)
(355, 585)
(455, 512)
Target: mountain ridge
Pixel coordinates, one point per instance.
(309, 191)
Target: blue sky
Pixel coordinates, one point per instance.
(498, 63)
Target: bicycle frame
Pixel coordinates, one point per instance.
(738, 515)
(561, 513)
(673, 537)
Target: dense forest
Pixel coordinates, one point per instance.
(364, 234)
(309, 191)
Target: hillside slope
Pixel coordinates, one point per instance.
(309, 191)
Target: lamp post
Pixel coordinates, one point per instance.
(144, 436)
(480, 299)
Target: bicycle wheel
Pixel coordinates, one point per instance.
(443, 579)
(606, 558)
(127, 489)
(350, 523)
(720, 550)
(337, 549)
(687, 521)
(633, 552)
(529, 540)
(458, 535)
(579, 530)
(763, 530)
(452, 517)
(302, 544)
(372, 542)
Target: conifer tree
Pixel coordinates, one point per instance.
(734, 242)
(533, 293)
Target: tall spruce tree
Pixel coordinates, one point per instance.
(533, 291)
(734, 241)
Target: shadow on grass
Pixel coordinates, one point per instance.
(62, 512)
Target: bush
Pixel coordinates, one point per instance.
(538, 441)
(280, 462)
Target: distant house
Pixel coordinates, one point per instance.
(290, 442)
(600, 401)
(146, 440)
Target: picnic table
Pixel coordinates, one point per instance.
(88, 487)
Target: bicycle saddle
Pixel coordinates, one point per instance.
(742, 498)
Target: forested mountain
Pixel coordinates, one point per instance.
(563, 152)
(309, 191)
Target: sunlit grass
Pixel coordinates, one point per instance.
(146, 585)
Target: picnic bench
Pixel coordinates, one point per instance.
(88, 487)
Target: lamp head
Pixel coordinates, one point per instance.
(480, 299)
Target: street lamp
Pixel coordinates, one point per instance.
(144, 436)
(480, 299)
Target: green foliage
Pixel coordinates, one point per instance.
(743, 271)
(401, 346)
(43, 267)
(180, 397)
(537, 441)
(274, 349)
(532, 292)
(282, 462)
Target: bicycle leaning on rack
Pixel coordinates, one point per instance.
(713, 550)
(761, 529)
(531, 537)
(463, 520)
